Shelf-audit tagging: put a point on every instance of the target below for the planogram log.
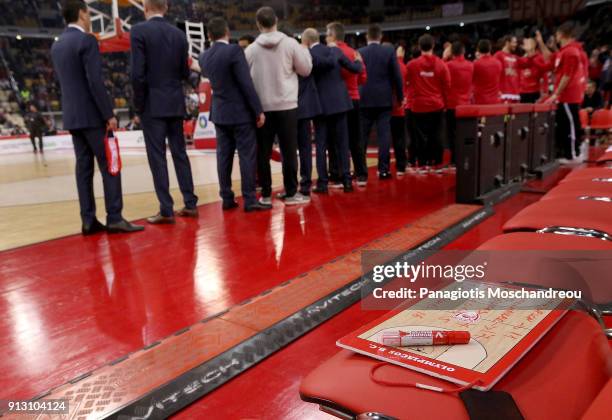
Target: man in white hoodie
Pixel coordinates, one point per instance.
(275, 61)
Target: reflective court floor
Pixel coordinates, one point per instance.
(73, 304)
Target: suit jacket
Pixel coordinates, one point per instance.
(159, 65)
(78, 68)
(384, 77)
(309, 105)
(234, 100)
(327, 64)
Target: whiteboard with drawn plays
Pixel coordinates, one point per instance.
(499, 338)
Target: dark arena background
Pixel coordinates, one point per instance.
(359, 135)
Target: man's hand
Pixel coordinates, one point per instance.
(358, 56)
(331, 44)
(551, 99)
(538, 37)
(400, 52)
(261, 120)
(112, 124)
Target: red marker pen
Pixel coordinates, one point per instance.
(424, 338)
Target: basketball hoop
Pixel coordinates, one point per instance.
(111, 29)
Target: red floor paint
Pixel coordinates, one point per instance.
(74, 304)
(269, 390)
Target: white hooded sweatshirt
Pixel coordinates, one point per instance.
(275, 61)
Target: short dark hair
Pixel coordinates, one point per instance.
(506, 38)
(248, 38)
(71, 9)
(426, 42)
(484, 46)
(457, 48)
(374, 31)
(266, 17)
(567, 29)
(337, 29)
(217, 28)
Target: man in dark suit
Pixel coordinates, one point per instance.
(87, 114)
(159, 65)
(309, 107)
(235, 110)
(331, 129)
(384, 78)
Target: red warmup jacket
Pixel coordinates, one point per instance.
(487, 72)
(533, 76)
(398, 108)
(352, 80)
(430, 82)
(461, 74)
(509, 83)
(571, 61)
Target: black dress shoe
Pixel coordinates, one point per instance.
(258, 207)
(385, 175)
(93, 228)
(158, 219)
(187, 212)
(320, 190)
(124, 227)
(229, 205)
(348, 187)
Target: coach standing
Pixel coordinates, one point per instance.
(275, 61)
(87, 114)
(235, 111)
(384, 78)
(159, 67)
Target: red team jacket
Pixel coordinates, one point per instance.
(461, 75)
(352, 80)
(487, 74)
(533, 77)
(572, 61)
(509, 82)
(429, 79)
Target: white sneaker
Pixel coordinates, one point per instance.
(400, 174)
(266, 201)
(563, 161)
(336, 185)
(298, 198)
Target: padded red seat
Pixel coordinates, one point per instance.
(600, 408)
(550, 260)
(559, 378)
(588, 173)
(606, 157)
(467, 111)
(578, 188)
(544, 242)
(564, 212)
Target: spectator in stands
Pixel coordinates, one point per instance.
(460, 93)
(134, 124)
(384, 80)
(487, 74)
(245, 40)
(592, 98)
(275, 61)
(36, 127)
(430, 81)
(509, 84)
